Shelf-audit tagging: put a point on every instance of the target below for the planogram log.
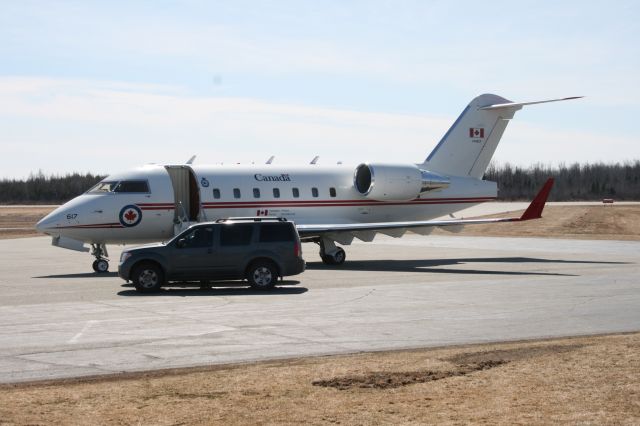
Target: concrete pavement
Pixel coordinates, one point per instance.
(58, 319)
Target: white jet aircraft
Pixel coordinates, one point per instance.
(328, 204)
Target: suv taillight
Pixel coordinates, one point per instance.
(297, 249)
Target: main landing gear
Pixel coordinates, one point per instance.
(330, 253)
(101, 264)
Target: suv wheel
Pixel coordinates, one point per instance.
(262, 275)
(147, 278)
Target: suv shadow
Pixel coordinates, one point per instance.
(217, 291)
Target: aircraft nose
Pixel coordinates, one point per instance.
(48, 222)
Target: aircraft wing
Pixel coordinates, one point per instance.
(344, 233)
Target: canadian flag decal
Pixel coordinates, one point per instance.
(261, 212)
(476, 132)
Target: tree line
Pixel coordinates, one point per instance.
(41, 189)
(576, 182)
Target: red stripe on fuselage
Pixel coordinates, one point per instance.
(318, 203)
(157, 208)
(346, 203)
(91, 226)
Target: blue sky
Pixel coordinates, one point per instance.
(105, 86)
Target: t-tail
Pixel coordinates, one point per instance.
(468, 146)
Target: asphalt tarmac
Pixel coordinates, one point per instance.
(59, 319)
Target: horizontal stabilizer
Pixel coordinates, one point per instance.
(521, 104)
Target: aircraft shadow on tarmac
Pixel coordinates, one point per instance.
(82, 275)
(234, 288)
(435, 265)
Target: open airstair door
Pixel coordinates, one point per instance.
(186, 193)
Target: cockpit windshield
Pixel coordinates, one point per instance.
(124, 186)
(103, 187)
(132, 186)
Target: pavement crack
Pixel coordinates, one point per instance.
(355, 299)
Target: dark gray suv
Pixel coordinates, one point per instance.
(256, 249)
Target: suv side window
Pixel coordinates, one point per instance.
(199, 237)
(236, 234)
(275, 232)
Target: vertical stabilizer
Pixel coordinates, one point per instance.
(467, 147)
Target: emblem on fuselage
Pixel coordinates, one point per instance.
(130, 215)
(204, 182)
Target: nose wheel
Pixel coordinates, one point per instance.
(101, 264)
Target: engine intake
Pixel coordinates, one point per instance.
(396, 182)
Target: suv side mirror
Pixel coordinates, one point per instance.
(181, 243)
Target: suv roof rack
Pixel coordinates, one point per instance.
(253, 219)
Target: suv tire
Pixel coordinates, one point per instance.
(262, 275)
(147, 278)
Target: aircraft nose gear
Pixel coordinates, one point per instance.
(330, 253)
(101, 264)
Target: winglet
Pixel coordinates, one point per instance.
(534, 211)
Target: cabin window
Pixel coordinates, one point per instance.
(332, 192)
(216, 193)
(132, 186)
(296, 192)
(276, 192)
(256, 192)
(236, 235)
(314, 192)
(236, 193)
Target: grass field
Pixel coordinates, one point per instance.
(585, 380)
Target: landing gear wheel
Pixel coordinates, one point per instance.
(100, 266)
(339, 256)
(147, 278)
(262, 275)
(326, 259)
(336, 258)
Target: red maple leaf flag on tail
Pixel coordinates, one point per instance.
(476, 132)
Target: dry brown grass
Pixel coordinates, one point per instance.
(20, 221)
(617, 222)
(593, 380)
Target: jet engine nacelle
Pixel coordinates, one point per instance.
(396, 182)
